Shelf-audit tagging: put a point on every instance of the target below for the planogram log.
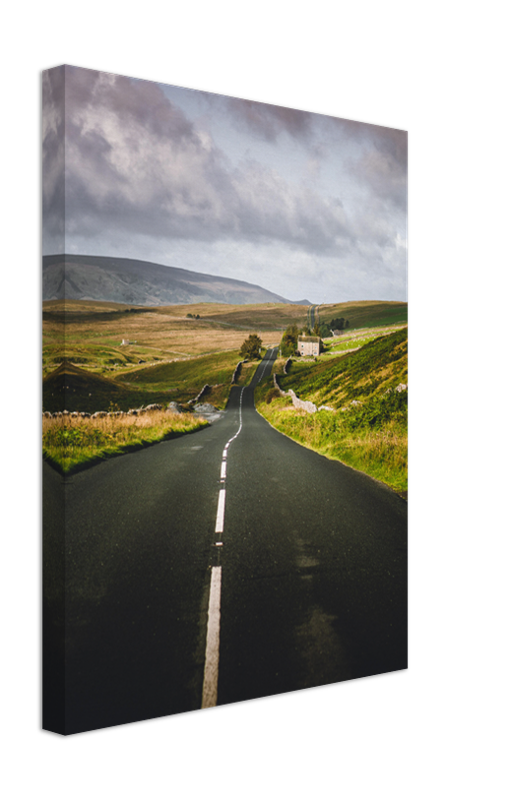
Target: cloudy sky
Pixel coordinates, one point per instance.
(308, 206)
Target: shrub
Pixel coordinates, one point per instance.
(271, 394)
(251, 347)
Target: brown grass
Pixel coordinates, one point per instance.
(69, 442)
(93, 334)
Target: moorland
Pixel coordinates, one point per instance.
(105, 356)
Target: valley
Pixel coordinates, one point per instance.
(110, 357)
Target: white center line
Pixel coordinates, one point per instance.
(211, 671)
(220, 511)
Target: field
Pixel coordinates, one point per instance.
(94, 332)
(173, 352)
(367, 314)
(170, 353)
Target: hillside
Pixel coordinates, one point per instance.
(125, 280)
(380, 365)
(172, 357)
(75, 389)
(365, 399)
(366, 313)
(94, 331)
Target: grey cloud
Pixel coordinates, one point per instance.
(135, 163)
(53, 195)
(268, 121)
(382, 165)
(272, 209)
(131, 101)
(138, 170)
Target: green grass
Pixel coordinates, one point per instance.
(70, 444)
(366, 314)
(370, 433)
(184, 379)
(74, 388)
(380, 451)
(379, 365)
(103, 374)
(212, 368)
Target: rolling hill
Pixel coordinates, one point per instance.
(125, 280)
(363, 398)
(369, 372)
(75, 389)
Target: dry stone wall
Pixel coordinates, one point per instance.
(172, 407)
(237, 369)
(307, 405)
(302, 405)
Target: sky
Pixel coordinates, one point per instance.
(311, 207)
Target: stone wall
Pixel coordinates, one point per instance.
(237, 369)
(206, 389)
(302, 405)
(133, 412)
(307, 405)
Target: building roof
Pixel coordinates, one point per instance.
(309, 339)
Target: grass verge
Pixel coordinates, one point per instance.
(372, 438)
(70, 444)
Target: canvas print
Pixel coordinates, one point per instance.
(225, 390)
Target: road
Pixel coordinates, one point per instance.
(225, 565)
(313, 316)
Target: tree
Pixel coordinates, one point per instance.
(339, 323)
(289, 341)
(251, 347)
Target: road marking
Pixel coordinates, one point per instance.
(211, 671)
(267, 364)
(220, 511)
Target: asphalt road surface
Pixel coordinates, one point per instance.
(221, 566)
(313, 316)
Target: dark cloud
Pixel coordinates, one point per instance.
(131, 101)
(138, 169)
(135, 163)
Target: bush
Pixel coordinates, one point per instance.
(271, 395)
(251, 347)
(289, 341)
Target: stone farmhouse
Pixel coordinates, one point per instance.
(308, 345)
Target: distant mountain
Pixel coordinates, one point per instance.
(125, 280)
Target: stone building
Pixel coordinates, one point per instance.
(308, 345)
